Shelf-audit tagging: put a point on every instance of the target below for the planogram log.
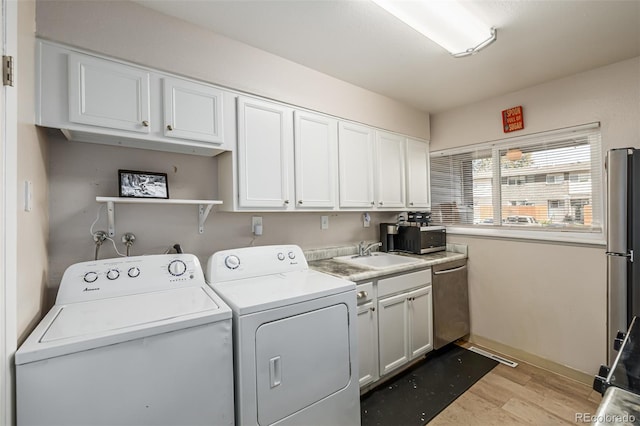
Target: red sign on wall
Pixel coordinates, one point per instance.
(512, 119)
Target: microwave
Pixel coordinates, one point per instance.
(421, 239)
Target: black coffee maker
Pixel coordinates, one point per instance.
(388, 234)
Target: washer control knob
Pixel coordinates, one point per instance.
(232, 261)
(113, 274)
(134, 272)
(292, 255)
(280, 256)
(177, 268)
(90, 277)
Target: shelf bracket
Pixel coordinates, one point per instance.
(203, 213)
(111, 213)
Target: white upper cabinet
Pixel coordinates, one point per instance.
(390, 170)
(107, 94)
(356, 150)
(265, 157)
(418, 188)
(316, 160)
(100, 100)
(192, 111)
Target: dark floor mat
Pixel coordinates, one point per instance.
(416, 396)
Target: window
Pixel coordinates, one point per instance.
(542, 182)
(516, 180)
(555, 178)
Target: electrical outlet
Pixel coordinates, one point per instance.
(256, 225)
(366, 220)
(324, 222)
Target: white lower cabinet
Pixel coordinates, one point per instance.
(405, 330)
(367, 335)
(401, 328)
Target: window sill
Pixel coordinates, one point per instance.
(596, 239)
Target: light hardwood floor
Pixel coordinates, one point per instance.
(520, 396)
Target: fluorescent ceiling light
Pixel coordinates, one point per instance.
(445, 22)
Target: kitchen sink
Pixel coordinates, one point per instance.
(377, 260)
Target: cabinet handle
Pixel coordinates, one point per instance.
(372, 309)
(286, 201)
(411, 203)
(300, 202)
(381, 203)
(169, 127)
(145, 123)
(373, 203)
(362, 294)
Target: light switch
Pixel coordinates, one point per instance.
(28, 195)
(324, 222)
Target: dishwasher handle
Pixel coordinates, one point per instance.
(447, 271)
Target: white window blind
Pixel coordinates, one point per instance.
(548, 181)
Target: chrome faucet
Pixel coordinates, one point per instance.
(365, 250)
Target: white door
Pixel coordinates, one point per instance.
(390, 170)
(265, 158)
(107, 94)
(316, 159)
(8, 214)
(301, 360)
(192, 111)
(420, 321)
(393, 332)
(418, 191)
(355, 147)
(367, 343)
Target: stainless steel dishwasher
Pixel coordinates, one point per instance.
(450, 302)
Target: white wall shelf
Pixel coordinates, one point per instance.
(204, 208)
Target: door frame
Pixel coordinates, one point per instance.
(8, 215)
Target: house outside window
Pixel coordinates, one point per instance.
(548, 185)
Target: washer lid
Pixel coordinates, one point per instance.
(81, 319)
(257, 294)
(88, 325)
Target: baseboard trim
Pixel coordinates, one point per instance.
(529, 358)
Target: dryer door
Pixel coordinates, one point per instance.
(301, 360)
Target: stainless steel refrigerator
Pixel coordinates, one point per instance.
(623, 238)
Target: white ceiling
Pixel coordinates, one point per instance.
(356, 41)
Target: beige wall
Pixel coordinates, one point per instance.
(80, 171)
(547, 300)
(33, 226)
(129, 31)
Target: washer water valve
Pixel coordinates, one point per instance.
(98, 238)
(128, 240)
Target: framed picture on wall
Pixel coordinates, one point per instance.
(143, 184)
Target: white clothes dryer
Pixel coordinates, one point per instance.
(295, 341)
(130, 341)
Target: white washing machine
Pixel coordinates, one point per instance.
(295, 339)
(130, 341)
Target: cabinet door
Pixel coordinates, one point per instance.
(367, 343)
(108, 94)
(355, 147)
(393, 332)
(418, 188)
(420, 321)
(390, 170)
(192, 111)
(265, 163)
(316, 160)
